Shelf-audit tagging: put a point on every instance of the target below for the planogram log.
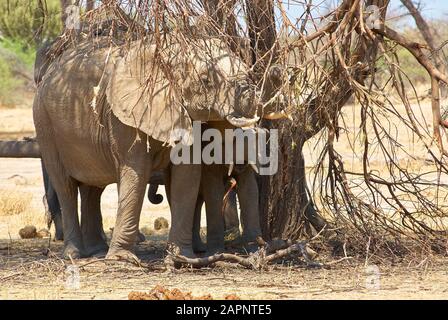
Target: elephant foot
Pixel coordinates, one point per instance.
(72, 252)
(251, 247)
(199, 246)
(233, 238)
(59, 234)
(212, 250)
(97, 250)
(122, 255)
(175, 251)
(187, 252)
(141, 237)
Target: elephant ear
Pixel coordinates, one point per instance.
(141, 96)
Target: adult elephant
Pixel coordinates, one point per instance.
(107, 114)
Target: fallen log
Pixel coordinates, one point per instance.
(28, 148)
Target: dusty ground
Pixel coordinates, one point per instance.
(26, 273)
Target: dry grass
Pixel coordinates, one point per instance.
(13, 202)
(28, 274)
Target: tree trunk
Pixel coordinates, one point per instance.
(279, 218)
(19, 149)
(262, 34)
(287, 211)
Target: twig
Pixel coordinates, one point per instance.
(11, 276)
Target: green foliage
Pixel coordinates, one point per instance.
(408, 63)
(16, 70)
(23, 53)
(24, 21)
(8, 82)
(23, 25)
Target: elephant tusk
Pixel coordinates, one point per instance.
(230, 169)
(241, 122)
(277, 115)
(255, 168)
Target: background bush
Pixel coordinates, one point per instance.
(25, 22)
(23, 26)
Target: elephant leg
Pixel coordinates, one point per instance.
(51, 203)
(67, 189)
(213, 193)
(183, 189)
(198, 245)
(133, 178)
(247, 189)
(232, 235)
(134, 165)
(65, 186)
(55, 210)
(92, 231)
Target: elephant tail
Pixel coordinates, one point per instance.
(153, 196)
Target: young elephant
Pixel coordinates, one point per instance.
(98, 122)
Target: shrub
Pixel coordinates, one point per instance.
(13, 202)
(24, 21)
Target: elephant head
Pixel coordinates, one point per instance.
(161, 89)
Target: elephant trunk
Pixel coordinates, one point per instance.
(19, 149)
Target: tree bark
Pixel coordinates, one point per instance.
(262, 34)
(19, 149)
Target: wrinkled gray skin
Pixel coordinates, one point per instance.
(29, 148)
(78, 152)
(212, 183)
(42, 61)
(219, 221)
(53, 207)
